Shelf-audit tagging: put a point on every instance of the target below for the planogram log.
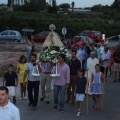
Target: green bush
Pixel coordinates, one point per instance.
(74, 23)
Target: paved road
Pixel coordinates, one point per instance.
(111, 43)
(44, 112)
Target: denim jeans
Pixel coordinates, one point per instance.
(59, 90)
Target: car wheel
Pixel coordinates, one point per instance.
(15, 41)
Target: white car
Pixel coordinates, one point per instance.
(10, 36)
(83, 38)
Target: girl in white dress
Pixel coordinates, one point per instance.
(96, 85)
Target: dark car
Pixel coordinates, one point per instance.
(10, 36)
(40, 37)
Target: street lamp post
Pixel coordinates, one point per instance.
(11, 5)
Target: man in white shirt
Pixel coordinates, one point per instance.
(7, 110)
(102, 48)
(91, 62)
(105, 60)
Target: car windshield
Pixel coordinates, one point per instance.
(97, 33)
(4, 33)
(46, 33)
(90, 40)
(40, 34)
(85, 33)
(86, 38)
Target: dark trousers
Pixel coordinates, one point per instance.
(33, 86)
(83, 66)
(103, 70)
(71, 84)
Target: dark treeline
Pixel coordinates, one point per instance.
(102, 18)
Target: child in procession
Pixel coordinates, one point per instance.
(80, 90)
(96, 85)
(10, 79)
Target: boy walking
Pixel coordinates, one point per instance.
(10, 79)
(80, 90)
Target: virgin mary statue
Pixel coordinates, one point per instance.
(52, 39)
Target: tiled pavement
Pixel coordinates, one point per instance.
(44, 111)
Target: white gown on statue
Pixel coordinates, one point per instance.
(52, 40)
(91, 68)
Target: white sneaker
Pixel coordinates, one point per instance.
(20, 98)
(79, 113)
(25, 98)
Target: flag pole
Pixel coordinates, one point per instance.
(103, 87)
(87, 92)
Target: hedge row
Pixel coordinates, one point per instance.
(74, 23)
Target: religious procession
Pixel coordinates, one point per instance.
(75, 70)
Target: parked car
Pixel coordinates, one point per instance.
(84, 38)
(40, 37)
(95, 35)
(10, 36)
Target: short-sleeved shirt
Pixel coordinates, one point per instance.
(81, 53)
(81, 85)
(105, 56)
(10, 78)
(30, 68)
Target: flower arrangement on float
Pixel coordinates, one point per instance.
(51, 53)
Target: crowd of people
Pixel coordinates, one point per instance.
(89, 64)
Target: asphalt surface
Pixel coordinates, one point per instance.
(112, 44)
(44, 111)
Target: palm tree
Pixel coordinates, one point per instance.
(11, 5)
(50, 2)
(21, 2)
(53, 2)
(73, 5)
